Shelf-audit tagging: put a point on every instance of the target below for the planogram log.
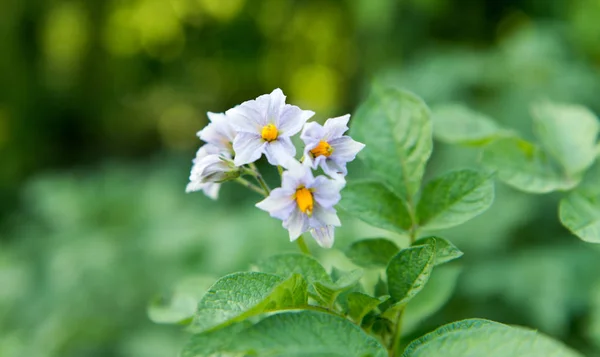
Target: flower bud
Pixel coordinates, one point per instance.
(216, 168)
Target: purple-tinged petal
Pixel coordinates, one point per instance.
(334, 169)
(276, 103)
(323, 217)
(246, 118)
(210, 189)
(345, 149)
(292, 119)
(324, 236)
(312, 133)
(279, 204)
(296, 224)
(327, 191)
(336, 127)
(248, 148)
(280, 151)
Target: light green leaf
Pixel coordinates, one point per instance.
(284, 265)
(292, 334)
(396, 128)
(444, 250)
(238, 296)
(455, 198)
(360, 304)
(457, 124)
(433, 297)
(408, 272)
(568, 133)
(375, 204)
(372, 253)
(525, 166)
(580, 213)
(475, 338)
(329, 292)
(181, 306)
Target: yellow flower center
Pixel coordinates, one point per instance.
(323, 149)
(304, 200)
(269, 132)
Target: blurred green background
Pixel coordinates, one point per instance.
(100, 102)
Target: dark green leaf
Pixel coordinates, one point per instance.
(396, 128)
(238, 296)
(375, 204)
(372, 253)
(455, 198)
(444, 250)
(408, 272)
(486, 338)
(360, 304)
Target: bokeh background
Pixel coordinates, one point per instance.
(100, 102)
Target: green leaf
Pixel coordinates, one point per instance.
(329, 292)
(396, 128)
(486, 338)
(284, 265)
(568, 133)
(580, 213)
(408, 272)
(457, 124)
(525, 166)
(372, 253)
(455, 198)
(238, 296)
(292, 334)
(375, 204)
(433, 297)
(181, 306)
(360, 304)
(444, 250)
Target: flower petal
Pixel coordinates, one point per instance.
(334, 168)
(276, 104)
(292, 119)
(248, 148)
(327, 191)
(280, 151)
(296, 224)
(279, 204)
(324, 236)
(312, 133)
(247, 117)
(323, 217)
(345, 149)
(336, 127)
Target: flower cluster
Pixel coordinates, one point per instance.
(234, 140)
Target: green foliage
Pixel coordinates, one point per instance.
(284, 265)
(238, 296)
(396, 128)
(455, 198)
(372, 253)
(580, 213)
(457, 124)
(375, 204)
(360, 304)
(444, 250)
(408, 272)
(432, 298)
(525, 166)
(305, 333)
(485, 338)
(328, 292)
(568, 133)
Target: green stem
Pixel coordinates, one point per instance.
(302, 245)
(251, 186)
(397, 334)
(258, 177)
(280, 170)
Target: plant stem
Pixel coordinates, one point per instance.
(251, 186)
(396, 334)
(280, 170)
(260, 179)
(302, 245)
